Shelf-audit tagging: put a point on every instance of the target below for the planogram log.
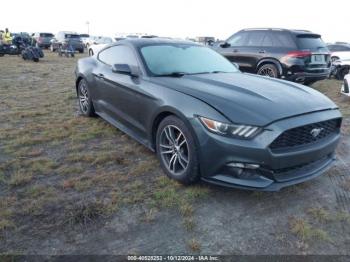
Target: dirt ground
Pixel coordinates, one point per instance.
(73, 185)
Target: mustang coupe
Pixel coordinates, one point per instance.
(207, 120)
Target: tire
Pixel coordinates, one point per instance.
(52, 49)
(177, 153)
(91, 52)
(83, 92)
(36, 59)
(269, 70)
(342, 72)
(81, 51)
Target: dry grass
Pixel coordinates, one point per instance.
(306, 232)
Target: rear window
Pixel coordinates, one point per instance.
(46, 35)
(72, 36)
(310, 42)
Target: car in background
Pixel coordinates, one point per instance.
(64, 37)
(207, 120)
(43, 39)
(24, 35)
(345, 87)
(100, 43)
(340, 68)
(296, 55)
(84, 38)
(339, 51)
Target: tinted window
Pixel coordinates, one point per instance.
(310, 42)
(72, 36)
(184, 58)
(118, 55)
(281, 39)
(46, 35)
(268, 41)
(84, 35)
(255, 38)
(238, 39)
(339, 48)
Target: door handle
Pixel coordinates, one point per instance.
(262, 52)
(235, 50)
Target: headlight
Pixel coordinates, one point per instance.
(237, 131)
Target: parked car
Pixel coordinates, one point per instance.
(345, 87)
(340, 68)
(64, 37)
(294, 55)
(85, 38)
(207, 120)
(43, 40)
(99, 44)
(339, 51)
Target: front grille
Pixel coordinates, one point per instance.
(303, 135)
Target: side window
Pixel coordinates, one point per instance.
(118, 55)
(238, 39)
(255, 38)
(331, 48)
(282, 39)
(268, 41)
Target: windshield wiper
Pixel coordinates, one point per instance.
(173, 74)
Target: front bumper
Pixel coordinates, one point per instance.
(277, 169)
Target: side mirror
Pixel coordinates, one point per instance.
(125, 69)
(225, 45)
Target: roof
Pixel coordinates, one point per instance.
(295, 31)
(139, 42)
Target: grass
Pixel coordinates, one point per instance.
(59, 168)
(306, 232)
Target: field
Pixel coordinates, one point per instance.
(74, 185)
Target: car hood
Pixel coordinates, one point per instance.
(249, 99)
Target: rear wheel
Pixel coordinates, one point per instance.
(269, 70)
(176, 150)
(91, 53)
(85, 102)
(342, 72)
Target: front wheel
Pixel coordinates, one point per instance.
(269, 70)
(85, 101)
(176, 150)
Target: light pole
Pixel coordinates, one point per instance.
(88, 27)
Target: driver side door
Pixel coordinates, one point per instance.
(121, 92)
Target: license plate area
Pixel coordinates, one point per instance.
(318, 59)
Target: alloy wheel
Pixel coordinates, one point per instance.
(83, 97)
(267, 71)
(174, 149)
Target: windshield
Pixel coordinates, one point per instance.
(184, 58)
(46, 35)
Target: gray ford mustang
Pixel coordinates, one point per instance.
(207, 120)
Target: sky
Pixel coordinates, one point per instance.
(177, 18)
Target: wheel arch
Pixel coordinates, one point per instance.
(270, 61)
(162, 114)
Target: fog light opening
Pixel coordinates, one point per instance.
(243, 165)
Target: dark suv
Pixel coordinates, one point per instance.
(295, 55)
(65, 37)
(43, 40)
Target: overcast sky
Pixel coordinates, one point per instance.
(177, 18)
